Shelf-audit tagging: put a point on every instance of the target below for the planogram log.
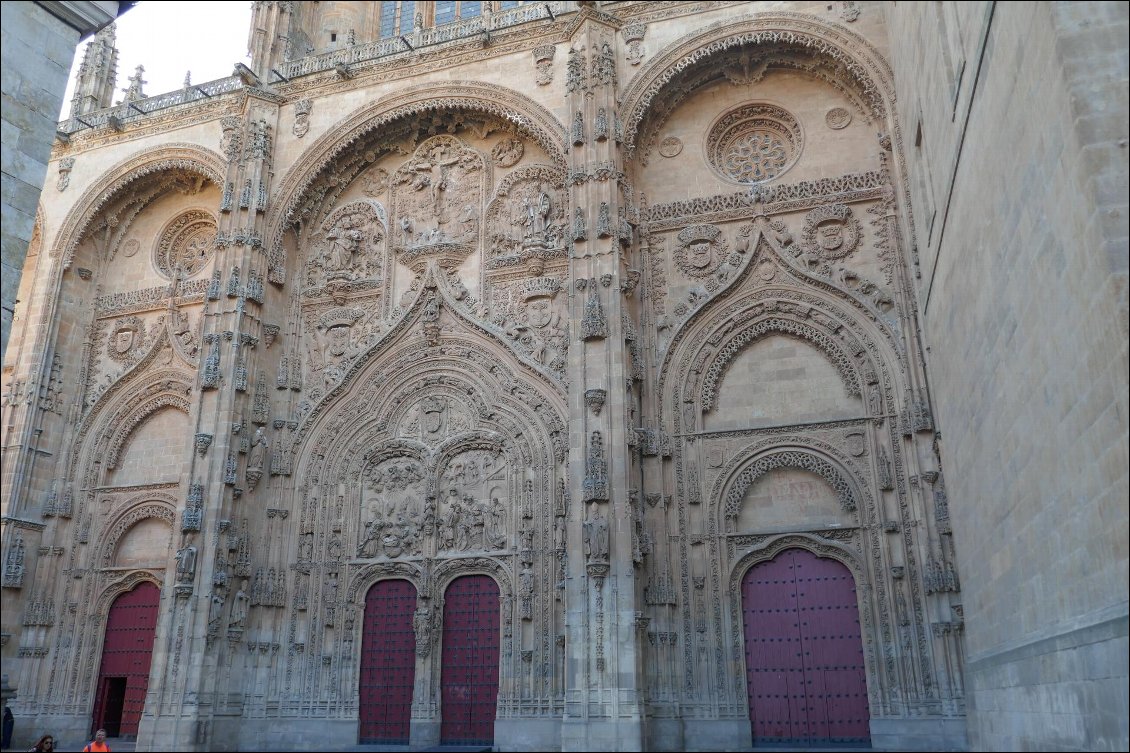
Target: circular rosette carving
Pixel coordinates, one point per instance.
(701, 250)
(755, 142)
(831, 232)
(437, 197)
(507, 152)
(185, 245)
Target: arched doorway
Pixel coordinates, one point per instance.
(127, 652)
(805, 674)
(469, 679)
(388, 663)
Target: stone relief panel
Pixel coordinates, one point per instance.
(527, 217)
(393, 506)
(334, 337)
(474, 503)
(437, 203)
(533, 314)
(347, 254)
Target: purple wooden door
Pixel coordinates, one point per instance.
(804, 654)
(470, 661)
(388, 663)
(127, 652)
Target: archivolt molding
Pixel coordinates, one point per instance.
(786, 458)
(847, 49)
(125, 405)
(818, 545)
(857, 341)
(151, 505)
(113, 590)
(775, 325)
(527, 115)
(368, 576)
(189, 157)
(126, 423)
(804, 451)
(448, 570)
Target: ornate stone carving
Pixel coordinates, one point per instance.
(302, 109)
(526, 218)
(594, 399)
(596, 470)
(185, 245)
(125, 340)
(838, 118)
(436, 201)
(831, 232)
(594, 325)
(65, 166)
(753, 143)
(507, 152)
(595, 535)
(671, 146)
(786, 459)
(701, 250)
(633, 34)
(346, 253)
(14, 562)
(543, 59)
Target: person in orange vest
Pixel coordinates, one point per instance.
(98, 744)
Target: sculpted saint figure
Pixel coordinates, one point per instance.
(596, 536)
(186, 562)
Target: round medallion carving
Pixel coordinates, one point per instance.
(837, 118)
(131, 247)
(507, 152)
(185, 244)
(753, 143)
(670, 146)
(831, 232)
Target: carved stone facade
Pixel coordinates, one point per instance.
(611, 327)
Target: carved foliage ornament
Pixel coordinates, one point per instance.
(754, 142)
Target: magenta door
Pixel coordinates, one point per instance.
(470, 661)
(804, 654)
(388, 663)
(123, 676)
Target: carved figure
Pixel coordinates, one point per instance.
(259, 447)
(239, 606)
(422, 626)
(186, 562)
(596, 536)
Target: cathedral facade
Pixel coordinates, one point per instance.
(540, 375)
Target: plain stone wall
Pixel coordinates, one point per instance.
(1015, 130)
(37, 53)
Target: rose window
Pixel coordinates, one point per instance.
(753, 143)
